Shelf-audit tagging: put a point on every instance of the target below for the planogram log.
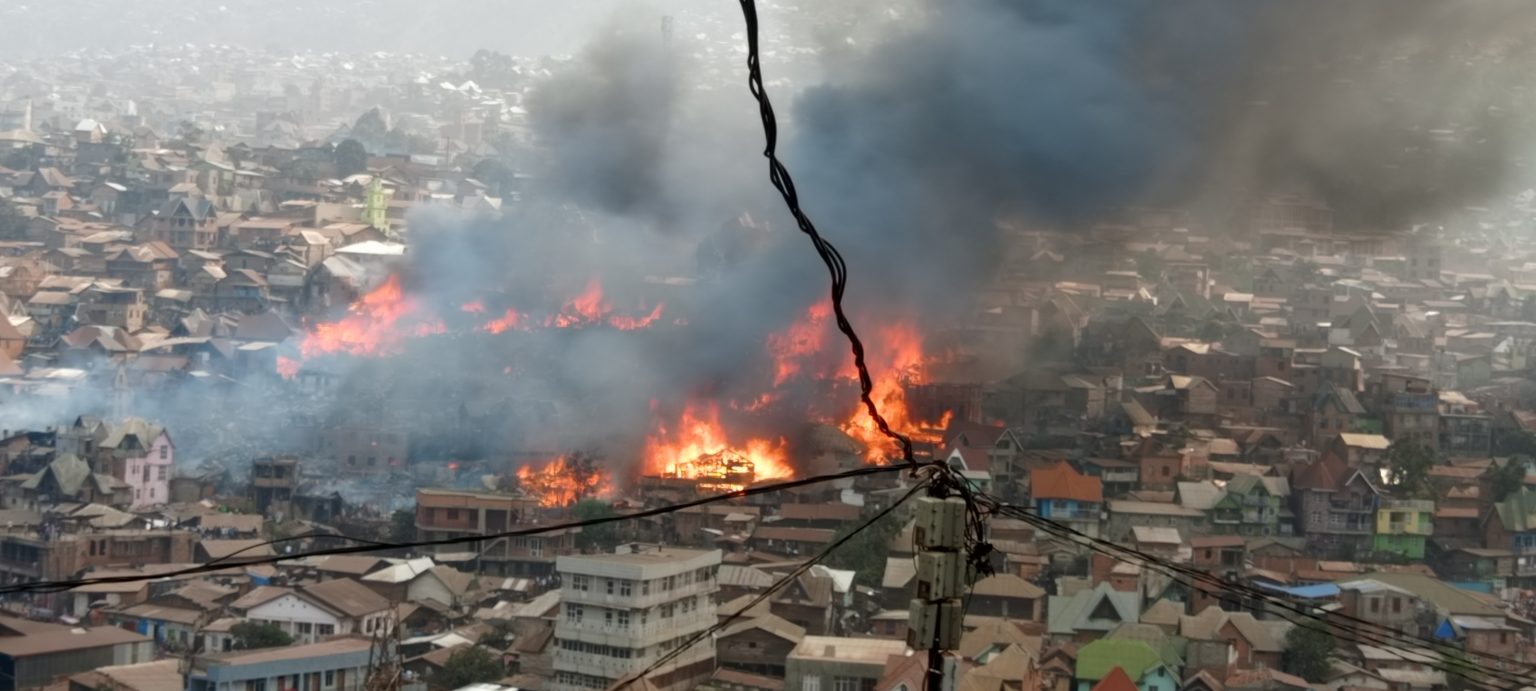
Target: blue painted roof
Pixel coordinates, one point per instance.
(1321, 591)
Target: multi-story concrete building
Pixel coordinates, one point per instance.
(340, 664)
(445, 513)
(622, 612)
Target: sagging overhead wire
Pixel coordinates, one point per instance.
(779, 175)
(1437, 655)
(229, 561)
(775, 587)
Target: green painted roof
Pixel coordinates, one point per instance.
(1099, 657)
(1518, 512)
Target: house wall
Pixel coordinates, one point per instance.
(291, 613)
(756, 651)
(429, 587)
(149, 475)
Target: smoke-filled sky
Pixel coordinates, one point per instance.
(931, 120)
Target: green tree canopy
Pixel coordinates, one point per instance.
(13, 224)
(865, 553)
(1307, 652)
(1409, 463)
(250, 635)
(1509, 478)
(604, 537)
(402, 526)
(351, 158)
(473, 665)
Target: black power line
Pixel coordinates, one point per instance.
(775, 587)
(779, 175)
(1350, 629)
(225, 562)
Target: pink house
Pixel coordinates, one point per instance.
(142, 456)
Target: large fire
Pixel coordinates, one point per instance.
(896, 360)
(376, 324)
(563, 482)
(895, 357)
(698, 447)
(591, 309)
(380, 322)
(798, 343)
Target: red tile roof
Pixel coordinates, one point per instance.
(1116, 680)
(1061, 481)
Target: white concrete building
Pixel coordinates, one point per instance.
(619, 613)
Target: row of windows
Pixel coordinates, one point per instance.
(625, 588)
(594, 649)
(585, 681)
(813, 683)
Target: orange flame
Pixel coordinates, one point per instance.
(798, 342)
(473, 307)
(698, 448)
(895, 360)
(511, 320)
(591, 309)
(560, 483)
(375, 325)
(288, 368)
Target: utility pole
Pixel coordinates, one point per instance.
(936, 614)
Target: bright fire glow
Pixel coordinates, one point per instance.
(590, 309)
(561, 483)
(287, 368)
(800, 341)
(698, 448)
(375, 325)
(511, 320)
(895, 358)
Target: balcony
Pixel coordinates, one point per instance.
(1071, 514)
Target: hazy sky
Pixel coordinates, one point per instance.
(450, 27)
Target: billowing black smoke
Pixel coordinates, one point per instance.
(1060, 113)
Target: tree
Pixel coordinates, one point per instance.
(500, 636)
(1307, 652)
(402, 526)
(370, 128)
(351, 158)
(473, 665)
(13, 224)
(1509, 478)
(1409, 463)
(250, 635)
(865, 553)
(1461, 674)
(495, 174)
(605, 536)
(189, 133)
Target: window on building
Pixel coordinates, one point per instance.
(608, 618)
(608, 585)
(165, 452)
(330, 677)
(1397, 605)
(626, 588)
(1375, 605)
(162, 474)
(453, 514)
(845, 684)
(810, 682)
(325, 629)
(581, 583)
(645, 588)
(623, 619)
(306, 628)
(573, 613)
